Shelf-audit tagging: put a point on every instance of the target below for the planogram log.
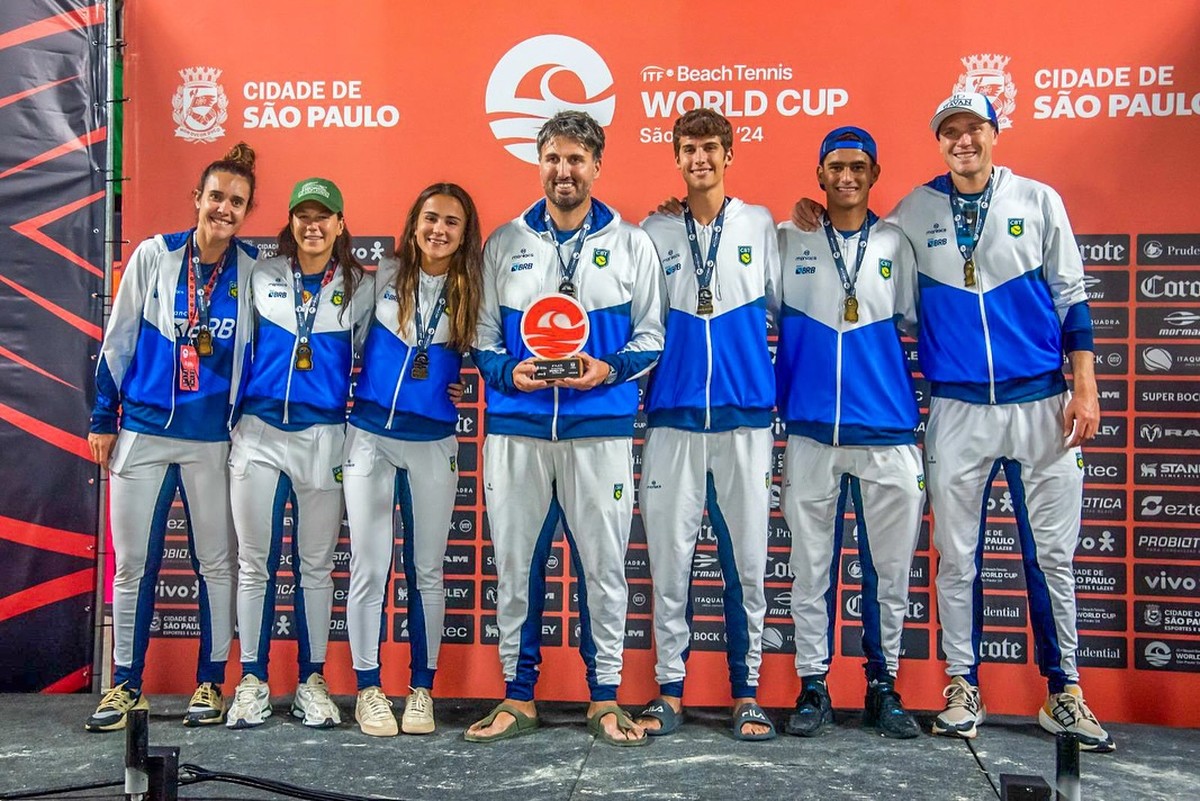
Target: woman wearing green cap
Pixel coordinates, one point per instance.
(311, 303)
(401, 445)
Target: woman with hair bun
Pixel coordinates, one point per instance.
(166, 373)
(311, 303)
(401, 446)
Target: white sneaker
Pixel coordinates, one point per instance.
(418, 712)
(964, 711)
(1068, 712)
(373, 711)
(313, 704)
(251, 704)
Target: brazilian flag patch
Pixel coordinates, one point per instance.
(1079, 459)
(453, 464)
(745, 254)
(885, 268)
(338, 297)
(618, 491)
(600, 257)
(232, 290)
(337, 474)
(921, 481)
(1016, 226)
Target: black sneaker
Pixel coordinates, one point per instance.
(814, 712)
(885, 713)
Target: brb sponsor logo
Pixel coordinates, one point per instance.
(985, 73)
(568, 74)
(199, 106)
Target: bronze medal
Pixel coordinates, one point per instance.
(704, 301)
(204, 342)
(851, 313)
(567, 288)
(304, 357)
(420, 368)
(969, 272)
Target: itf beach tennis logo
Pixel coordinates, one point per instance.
(540, 77)
(199, 106)
(985, 74)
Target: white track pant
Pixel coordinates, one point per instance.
(267, 466)
(529, 484)
(145, 471)
(965, 447)
(730, 473)
(886, 486)
(422, 477)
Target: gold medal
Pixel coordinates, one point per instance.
(204, 343)
(969, 272)
(851, 314)
(304, 356)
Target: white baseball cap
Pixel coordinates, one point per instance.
(964, 103)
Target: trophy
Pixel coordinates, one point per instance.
(555, 328)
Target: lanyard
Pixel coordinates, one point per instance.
(306, 311)
(704, 267)
(968, 226)
(567, 268)
(198, 296)
(835, 248)
(425, 332)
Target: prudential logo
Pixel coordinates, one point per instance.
(540, 77)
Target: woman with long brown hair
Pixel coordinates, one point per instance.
(167, 371)
(401, 445)
(310, 304)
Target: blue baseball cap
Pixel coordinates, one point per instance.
(848, 137)
(972, 103)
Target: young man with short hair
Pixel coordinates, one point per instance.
(709, 410)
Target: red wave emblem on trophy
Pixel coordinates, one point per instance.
(555, 328)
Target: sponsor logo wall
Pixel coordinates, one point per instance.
(363, 111)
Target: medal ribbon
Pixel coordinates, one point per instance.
(306, 312)
(567, 268)
(963, 227)
(835, 249)
(198, 296)
(425, 332)
(704, 267)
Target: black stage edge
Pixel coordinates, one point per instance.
(43, 745)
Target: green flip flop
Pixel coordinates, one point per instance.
(624, 724)
(522, 724)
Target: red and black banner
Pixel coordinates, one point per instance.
(53, 114)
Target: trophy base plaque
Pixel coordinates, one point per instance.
(554, 369)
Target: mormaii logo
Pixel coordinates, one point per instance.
(199, 105)
(986, 74)
(541, 62)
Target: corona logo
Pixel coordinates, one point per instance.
(517, 113)
(985, 74)
(555, 327)
(199, 106)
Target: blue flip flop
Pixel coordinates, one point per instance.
(668, 718)
(752, 713)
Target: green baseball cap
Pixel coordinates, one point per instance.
(321, 190)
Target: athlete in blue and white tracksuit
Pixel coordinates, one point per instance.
(401, 449)
(846, 395)
(709, 436)
(288, 445)
(1002, 300)
(560, 454)
(171, 438)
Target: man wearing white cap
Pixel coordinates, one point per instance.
(1001, 301)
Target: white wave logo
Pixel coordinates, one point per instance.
(546, 56)
(985, 74)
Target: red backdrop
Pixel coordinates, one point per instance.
(1102, 106)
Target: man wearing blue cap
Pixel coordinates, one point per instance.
(847, 397)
